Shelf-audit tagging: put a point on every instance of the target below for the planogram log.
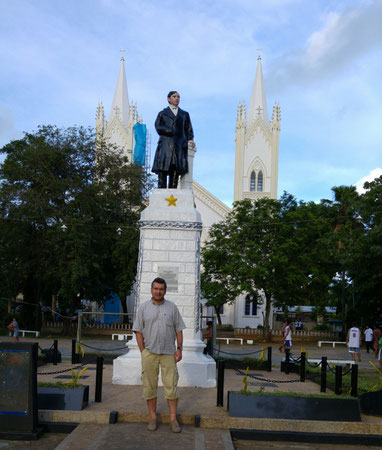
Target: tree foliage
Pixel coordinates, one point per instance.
(57, 179)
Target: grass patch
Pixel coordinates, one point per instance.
(57, 384)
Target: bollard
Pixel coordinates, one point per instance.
(55, 345)
(98, 386)
(324, 363)
(338, 386)
(220, 387)
(74, 354)
(354, 380)
(269, 360)
(302, 367)
(287, 351)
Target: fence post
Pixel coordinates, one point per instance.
(302, 367)
(324, 364)
(354, 380)
(287, 351)
(269, 359)
(74, 354)
(338, 386)
(220, 387)
(55, 344)
(98, 386)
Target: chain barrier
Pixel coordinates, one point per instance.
(347, 372)
(62, 371)
(314, 365)
(236, 354)
(266, 379)
(329, 368)
(101, 349)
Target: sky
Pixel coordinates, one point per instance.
(321, 59)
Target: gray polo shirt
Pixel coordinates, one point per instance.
(159, 325)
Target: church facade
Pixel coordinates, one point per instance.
(256, 170)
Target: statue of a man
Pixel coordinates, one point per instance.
(175, 130)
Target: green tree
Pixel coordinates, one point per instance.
(268, 249)
(55, 180)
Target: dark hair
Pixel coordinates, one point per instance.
(172, 93)
(209, 323)
(159, 281)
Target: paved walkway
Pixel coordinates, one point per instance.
(215, 422)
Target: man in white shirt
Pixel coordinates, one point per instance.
(353, 341)
(368, 337)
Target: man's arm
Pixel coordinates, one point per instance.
(140, 341)
(179, 343)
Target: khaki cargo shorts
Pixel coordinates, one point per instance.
(150, 373)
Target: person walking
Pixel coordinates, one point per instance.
(376, 335)
(353, 341)
(208, 335)
(288, 335)
(157, 325)
(368, 338)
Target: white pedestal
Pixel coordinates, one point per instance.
(170, 248)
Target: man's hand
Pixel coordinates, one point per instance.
(178, 356)
(191, 144)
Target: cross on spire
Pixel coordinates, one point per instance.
(117, 110)
(259, 109)
(123, 53)
(259, 50)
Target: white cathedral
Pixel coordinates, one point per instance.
(256, 169)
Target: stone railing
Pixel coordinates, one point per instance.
(87, 329)
(302, 333)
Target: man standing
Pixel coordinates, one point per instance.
(175, 130)
(368, 337)
(353, 341)
(157, 325)
(288, 335)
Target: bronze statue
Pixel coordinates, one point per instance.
(175, 130)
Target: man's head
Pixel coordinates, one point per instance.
(158, 289)
(14, 319)
(173, 98)
(209, 323)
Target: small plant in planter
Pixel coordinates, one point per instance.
(68, 396)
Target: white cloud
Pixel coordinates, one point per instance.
(375, 173)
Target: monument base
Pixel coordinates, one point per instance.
(195, 369)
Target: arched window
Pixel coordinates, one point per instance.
(253, 182)
(250, 306)
(260, 182)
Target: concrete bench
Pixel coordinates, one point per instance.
(230, 339)
(334, 361)
(120, 336)
(330, 342)
(36, 333)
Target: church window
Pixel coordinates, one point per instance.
(253, 182)
(250, 306)
(260, 182)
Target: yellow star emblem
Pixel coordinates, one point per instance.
(171, 200)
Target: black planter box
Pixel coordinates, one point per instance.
(371, 403)
(73, 399)
(294, 408)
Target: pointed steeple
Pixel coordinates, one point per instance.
(258, 103)
(120, 106)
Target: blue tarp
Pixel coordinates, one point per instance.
(112, 305)
(140, 144)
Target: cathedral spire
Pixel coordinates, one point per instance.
(258, 103)
(120, 105)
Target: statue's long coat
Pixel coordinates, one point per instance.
(174, 132)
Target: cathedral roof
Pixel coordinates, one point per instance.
(120, 105)
(258, 103)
